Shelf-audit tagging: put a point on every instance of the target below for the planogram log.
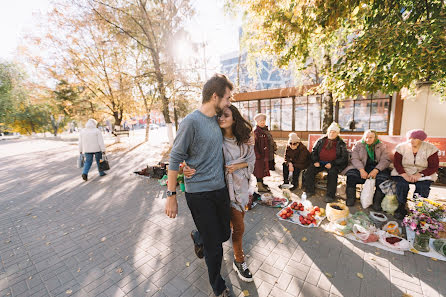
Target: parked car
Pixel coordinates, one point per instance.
(153, 126)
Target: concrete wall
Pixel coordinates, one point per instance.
(425, 111)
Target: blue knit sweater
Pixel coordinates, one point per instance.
(199, 142)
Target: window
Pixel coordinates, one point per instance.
(345, 113)
(265, 107)
(380, 114)
(362, 115)
(300, 113)
(370, 112)
(275, 114)
(252, 111)
(244, 109)
(314, 113)
(287, 114)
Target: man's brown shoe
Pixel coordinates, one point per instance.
(197, 247)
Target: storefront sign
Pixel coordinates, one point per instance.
(390, 141)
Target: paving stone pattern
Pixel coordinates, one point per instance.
(61, 236)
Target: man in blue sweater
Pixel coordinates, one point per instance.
(199, 142)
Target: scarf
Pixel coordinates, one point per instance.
(330, 143)
(371, 149)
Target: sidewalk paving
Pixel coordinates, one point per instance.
(60, 236)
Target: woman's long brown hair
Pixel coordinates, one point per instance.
(241, 128)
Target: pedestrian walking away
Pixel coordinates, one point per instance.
(91, 143)
(199, 144)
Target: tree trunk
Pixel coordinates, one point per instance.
(117, 118)
(147, 108)
(327, 110)
(175, 118)
(147, 127)
(54, 125)
(327, 99)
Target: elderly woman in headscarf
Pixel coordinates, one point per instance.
(330, 154)
(369, 160)
(416, 162)
(264, 148)
(297, 158)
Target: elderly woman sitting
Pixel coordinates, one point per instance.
(297, 158)
(369, 160)
(330, 154)
(416, 162)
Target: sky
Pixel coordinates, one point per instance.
(209, 25)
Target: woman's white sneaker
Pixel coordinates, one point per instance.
(243, 272)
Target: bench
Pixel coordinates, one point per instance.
(391, 142)
(118, 131)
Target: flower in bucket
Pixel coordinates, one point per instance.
(422, 223)
(432, 209)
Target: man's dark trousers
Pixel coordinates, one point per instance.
(211, 213)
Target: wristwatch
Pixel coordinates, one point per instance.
(169, 193)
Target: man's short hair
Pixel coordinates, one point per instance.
(216, 84)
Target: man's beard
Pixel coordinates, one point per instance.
(218, 109)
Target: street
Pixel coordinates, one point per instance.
(61, 236)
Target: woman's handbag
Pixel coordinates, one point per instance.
(80, 161)
(103, 163)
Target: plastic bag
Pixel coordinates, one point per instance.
(364, 234)
(163, 181)
(393, 242)
(389, 204)
(367, 193)
(388, 187)
(360, 218)
(342, 226)
(267, 199)
(440, 246)
(392, 228)
(80, 161)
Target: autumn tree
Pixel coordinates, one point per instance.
(9, 77)
(356, 46)
(395, 45)
(17, 111)
(152, 25)
(289, 34)
(81, 51)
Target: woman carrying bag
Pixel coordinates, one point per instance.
(91, 143)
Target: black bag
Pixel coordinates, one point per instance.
(156, 171)
(103, 163)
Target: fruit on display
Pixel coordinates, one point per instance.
(393, 240)
(320, 212)
(286, 213)
(308, 219)
(297, 206)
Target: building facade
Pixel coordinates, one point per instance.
(290, 109)
(267, 75)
